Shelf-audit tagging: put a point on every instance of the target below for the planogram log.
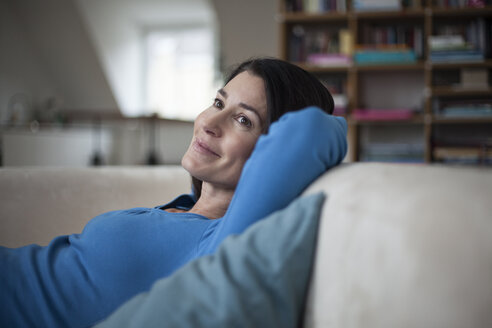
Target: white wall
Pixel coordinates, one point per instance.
(22, 70)
(57, 37)
(117, 27)
(247, 29)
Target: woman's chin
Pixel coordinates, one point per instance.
(185, 163)
(208, 172)
(191, 166)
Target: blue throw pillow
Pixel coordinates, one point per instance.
(256, 279)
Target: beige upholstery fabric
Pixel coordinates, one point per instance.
(38, 204)
(403, 246)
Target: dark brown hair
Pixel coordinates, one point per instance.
(287, 87)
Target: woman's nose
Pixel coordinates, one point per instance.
(212, 124)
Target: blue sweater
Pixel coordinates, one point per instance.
(78, 280)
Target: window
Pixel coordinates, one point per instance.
(180, 79)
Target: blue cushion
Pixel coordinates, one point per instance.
(256, 279)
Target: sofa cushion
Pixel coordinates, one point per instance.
(403, 246)
(256, 279)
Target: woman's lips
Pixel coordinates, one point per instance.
(203, 148)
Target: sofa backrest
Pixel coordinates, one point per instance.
(38, 204)
(403, 246)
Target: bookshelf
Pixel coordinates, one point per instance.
(416, 72)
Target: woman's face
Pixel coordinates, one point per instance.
(225, 133)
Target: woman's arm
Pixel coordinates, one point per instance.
(298, 148)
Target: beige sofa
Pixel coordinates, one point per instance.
(38, 204)
(399, 245)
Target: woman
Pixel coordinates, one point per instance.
(240, 175)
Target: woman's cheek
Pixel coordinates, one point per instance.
(245, 148)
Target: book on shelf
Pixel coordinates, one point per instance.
(463, 108)
(463, 152)
(453, 48)
(467, 112)
(392, 148)
(323, 47)
(463, 155)
(346, 42)
(315, 6)
(459, 42)
(462, 3)
(383, 55)
(327, 60)
(365, 114)
(411, 37)
(448, 42)
(393, 152)
(456, 56)
(376, 5)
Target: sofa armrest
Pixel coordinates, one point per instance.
(38, 204)
(403, 246)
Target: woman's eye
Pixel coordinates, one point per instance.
(218, 103)
(243, 120)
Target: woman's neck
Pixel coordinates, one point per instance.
(213, 202)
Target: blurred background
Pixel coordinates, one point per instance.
(117, 82)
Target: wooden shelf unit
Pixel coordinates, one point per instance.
(422, 14)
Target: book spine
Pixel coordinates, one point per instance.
(367, 57)
(383, 5)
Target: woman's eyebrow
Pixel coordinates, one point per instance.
(243, 105)
(223, 93)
